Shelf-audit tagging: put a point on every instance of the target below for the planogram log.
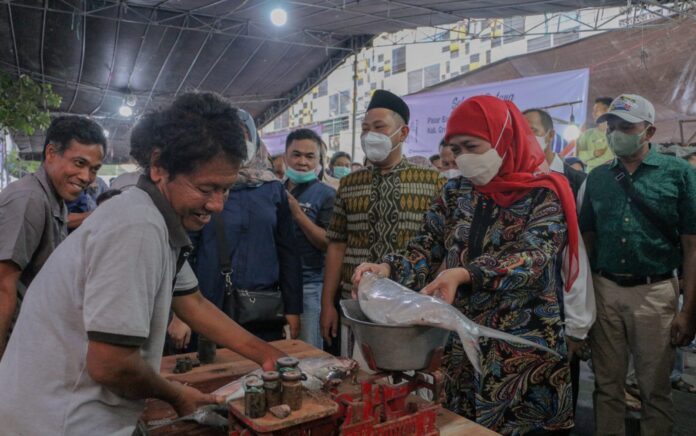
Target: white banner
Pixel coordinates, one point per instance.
(556, 93)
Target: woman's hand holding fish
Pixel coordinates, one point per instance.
(381, 269)
(446, 283)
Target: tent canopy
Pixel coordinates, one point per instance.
(95, 53)
(650, 62)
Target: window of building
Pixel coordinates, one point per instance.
(339, 103)
(323, 88)
(431, 75)
(415, 81)
(513, 29)
(539, 43)
(398, 60)
(281, 122)
(475, 58)
(488, 57)
(565, 38)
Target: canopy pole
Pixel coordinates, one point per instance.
(355, 103)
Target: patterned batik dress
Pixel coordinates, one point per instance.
(514, 261)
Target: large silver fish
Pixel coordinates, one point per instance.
(387, 302)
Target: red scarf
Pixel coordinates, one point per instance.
(524, 164)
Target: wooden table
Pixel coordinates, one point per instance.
(229, 366)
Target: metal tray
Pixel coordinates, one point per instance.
(394, 348)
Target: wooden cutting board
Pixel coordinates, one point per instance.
(314, 406)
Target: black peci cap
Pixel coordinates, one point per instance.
(388, 100)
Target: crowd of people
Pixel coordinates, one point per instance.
(212, 239)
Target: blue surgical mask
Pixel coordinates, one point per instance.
(340, 172)
(300, 177)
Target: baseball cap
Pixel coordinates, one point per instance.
(632, 108)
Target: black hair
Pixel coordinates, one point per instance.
(336, 156)
(195, 129)
(546, 120)
(65, 128)
(300, 134)
(606, 101)
(572, 160)
(434, 157)
(107, 195)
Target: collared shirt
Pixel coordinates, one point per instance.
(376, 214)
(33, 221)
(589, 142)
(316, 200)
(109, 281)
(627, 242)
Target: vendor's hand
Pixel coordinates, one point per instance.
(328, 321)
(295, 208)
(575, 347)
(381, 269)
(179, 332)
(269, 360)
(188, 399)
(446, 283)
(294, 323)
(682, 329)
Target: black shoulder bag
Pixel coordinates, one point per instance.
(242, 305)
(624, 180)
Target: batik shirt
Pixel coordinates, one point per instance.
(376, 214)
(513, 256)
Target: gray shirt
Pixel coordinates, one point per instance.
(33, 221)
(110, 280)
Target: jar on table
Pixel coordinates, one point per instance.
(254, 397)
(292, 388)
(286, 363)
(272, 386)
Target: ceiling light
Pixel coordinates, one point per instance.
(571, 133)
(106, 133)
(125, 111)
(279, 17)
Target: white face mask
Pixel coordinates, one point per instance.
(451, 174)
(377, 146)
(481, 168)
(542, 142)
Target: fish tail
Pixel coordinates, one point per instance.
(497, 334)
(471, 348)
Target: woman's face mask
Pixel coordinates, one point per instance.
(377, 146)
(482, 168)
